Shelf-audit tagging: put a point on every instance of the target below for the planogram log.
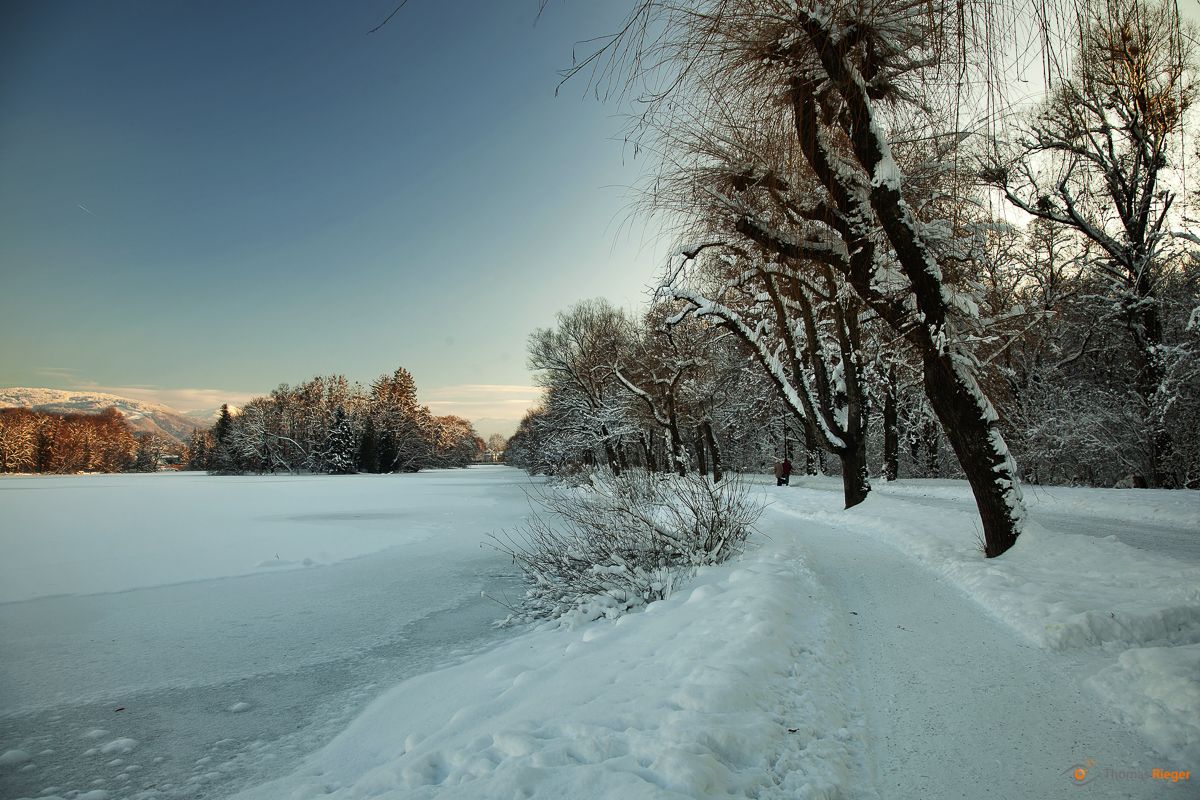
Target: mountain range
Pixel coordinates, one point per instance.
(140, 415)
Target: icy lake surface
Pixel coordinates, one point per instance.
(186, 635)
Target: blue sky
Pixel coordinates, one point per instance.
(199, 201)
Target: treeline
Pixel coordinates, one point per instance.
(637, 393)
(676, 395)
(328, 425)
(35, 441)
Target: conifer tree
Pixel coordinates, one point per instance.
(223, 459)
(341, 446)
(198, 451)
(368, 448)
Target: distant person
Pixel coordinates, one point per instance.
(783, 472)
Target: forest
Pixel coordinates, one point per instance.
(329, 425)
(885, 265)
(34, 441)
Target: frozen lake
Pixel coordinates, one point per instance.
(187, 635)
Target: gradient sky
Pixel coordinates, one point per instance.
(201, 200)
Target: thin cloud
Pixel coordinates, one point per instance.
(84, 209)
(481, 389)
(498, 407)
(57, 373)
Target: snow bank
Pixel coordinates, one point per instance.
(1157, 690)
(1059, 590)
(1156, 506)
(732, 688)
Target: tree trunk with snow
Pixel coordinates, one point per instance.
(856, 482)
(811, 454)
(891, 436)
(699, 445)
(971, 426)
(648, 449)
(713, 450)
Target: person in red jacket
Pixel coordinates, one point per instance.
(783, 472)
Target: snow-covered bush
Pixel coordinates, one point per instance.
(616, 543)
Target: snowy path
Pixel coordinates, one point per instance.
(957, 706)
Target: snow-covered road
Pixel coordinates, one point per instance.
(956, 705)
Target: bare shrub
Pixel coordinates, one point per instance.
(617, 543)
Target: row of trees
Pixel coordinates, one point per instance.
(846, 237)
(35, 441)
(669, 392)
(329, 425)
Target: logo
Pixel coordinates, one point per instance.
(1081, 774)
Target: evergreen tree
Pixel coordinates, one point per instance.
(368, 448)
(197, 458)
(386, 452)
(341, 447)
(149, 453)
(223, 459)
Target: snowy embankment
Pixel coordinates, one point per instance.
(1061, 590)
(1156, 506)
(1157, 690)
(734, 686)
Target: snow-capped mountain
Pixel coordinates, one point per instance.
(140, 415)
(205, 417)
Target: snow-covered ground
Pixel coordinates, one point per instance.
(228, 668)
(859, 654)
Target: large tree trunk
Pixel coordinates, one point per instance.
(613, 462)
(933, 460)
(609, 453)
(701, 460)
(677, 460)
(648, 446)
(1146, 328)
(811, 454)
(891, 436)
(971, 426)
(713, 450)
(856, 482)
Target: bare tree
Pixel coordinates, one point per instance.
(1102, 157)
(857, 83)
(574, 361)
